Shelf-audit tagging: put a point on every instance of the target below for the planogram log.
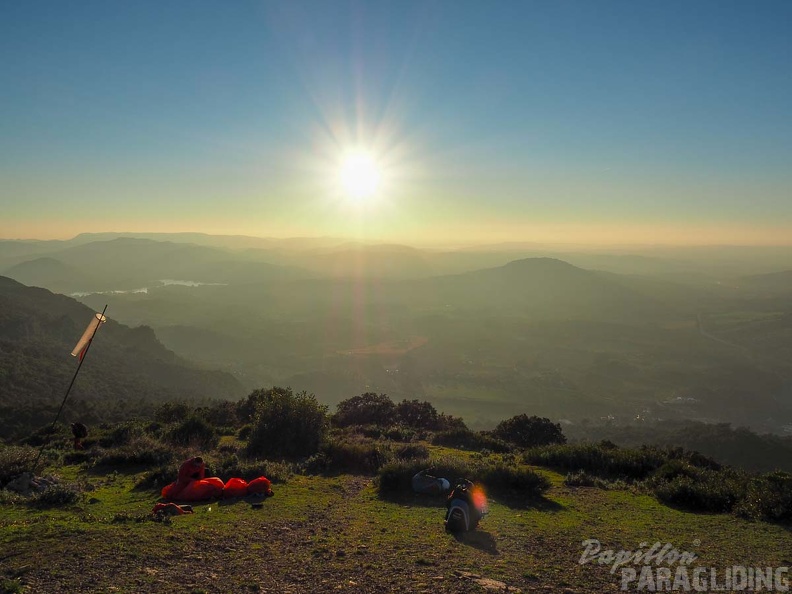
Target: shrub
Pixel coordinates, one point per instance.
(525, 432)
(610, 462)
(471, 440)
(55, 495)
(122, 434)
(14, 460)
(194, 432)
(366, 409)
(353, 456)
(768, 497)
(244, 432)
(163, 475)
(286, 425)
(503, 478)
(11, 586)
(710, 491)
(48, 434)
(496, 476)
(411, 451)
(402, 434)
(581, 478)
(172, 412)
(603, 462)
(143, 450)
(222, 414)
(674, 468)
(449, 423)
(233, 466)
(82, 456)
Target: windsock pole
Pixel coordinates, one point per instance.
(82, 356)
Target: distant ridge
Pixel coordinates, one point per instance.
(546, 287)
(50, 273)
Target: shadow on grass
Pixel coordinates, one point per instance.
(478, 539)
(511, 500)
(411, 499)
(254, 501)
(537, 502)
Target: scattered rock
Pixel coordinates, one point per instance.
(27, 484)
(486, 583)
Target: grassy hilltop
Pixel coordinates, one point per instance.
(344, 518)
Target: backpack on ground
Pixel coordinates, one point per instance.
(462, 512)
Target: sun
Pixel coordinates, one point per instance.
(360, 176)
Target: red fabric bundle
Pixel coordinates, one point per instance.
(260, 485)
(235, 487)
(208, 488)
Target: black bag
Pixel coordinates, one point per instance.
(79, 430)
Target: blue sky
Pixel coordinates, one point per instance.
(549, 121)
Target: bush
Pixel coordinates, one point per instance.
(286, 425)
(143, 450)
(710, 491)
(526, 432)
(402, 434)
(416, 414)
(163, 475)
(605, 462)
(14, 460)
(496, 476)
(366, 409)
(464, 438)
(503, 478)
(244, 432)
(233, 466)
(122, 434)
(55, 495)
(353, 456)
(768, 497)
(613, 463)
(11, 586)
(48, 434)
(449, 423)
(581, 478)
(194, 432)
(411, 451)
(172, 412)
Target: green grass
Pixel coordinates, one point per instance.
(325, 533)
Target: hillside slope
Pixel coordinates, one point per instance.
(38, 329)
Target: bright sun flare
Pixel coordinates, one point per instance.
(360, 176)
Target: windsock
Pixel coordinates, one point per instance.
(87, 337)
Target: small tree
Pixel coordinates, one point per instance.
(367, 409)
(416, 414)
(526, 432)
(286, 425)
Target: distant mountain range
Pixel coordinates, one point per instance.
(487, 333)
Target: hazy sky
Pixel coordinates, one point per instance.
(600, 121)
